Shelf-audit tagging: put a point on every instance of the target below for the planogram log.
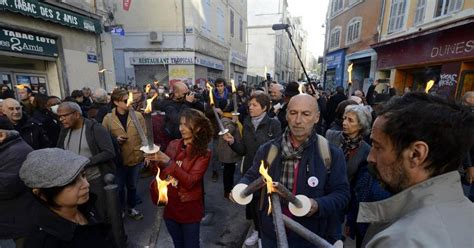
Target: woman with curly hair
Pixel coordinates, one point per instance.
(184, 162)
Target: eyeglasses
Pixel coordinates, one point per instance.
(14, 108)
(65, 115)
(124, 101)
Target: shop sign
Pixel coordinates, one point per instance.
(23, 42)
(47, 12)
(162, 60)
(209, 62)
(447, 45)
(334, 59)
(238, 58)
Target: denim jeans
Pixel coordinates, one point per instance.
(183, 235)
(127, 177)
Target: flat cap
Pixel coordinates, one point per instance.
(51, 167)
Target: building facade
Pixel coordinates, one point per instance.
(191, 41)
(425, 40)
(55, 46)
(350, 31)
(271, 51)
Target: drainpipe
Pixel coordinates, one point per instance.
(184, 25)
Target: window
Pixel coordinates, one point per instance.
(420, 12)
(397, 15)
(336, 6)
(241, 30)
(334, 38)
(444, 7)
(232, 23)
(353, 30)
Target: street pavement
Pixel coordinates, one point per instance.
(223, 226)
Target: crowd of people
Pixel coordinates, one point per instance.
(373, 166)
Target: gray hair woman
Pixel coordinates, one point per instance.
(355, 126)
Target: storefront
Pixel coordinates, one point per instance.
(238, 67)
(364, 64)
(170, 67)
(334, 69)
(51, 49)
(27, 58)
(444, 54)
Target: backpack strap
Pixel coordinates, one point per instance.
(325, 152)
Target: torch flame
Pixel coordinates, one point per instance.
(349, 69)
(162, 186)
(148, 108)
(429, 84)
(233, 85)
(211, 97)
(130, 99)
(269, 182)
(300, 88)
(147, 88)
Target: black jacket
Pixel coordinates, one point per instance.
(53, 231)
(331, 107)
(49, 123)
(32, 132)
(172, 110)
(100, 143)
(16, 199)
(252, 139)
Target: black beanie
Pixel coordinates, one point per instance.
(5, 124)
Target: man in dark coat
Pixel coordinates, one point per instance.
(15, 198)
(300, 168)
(332, 105)
(29, 128)
(181, 98)
(90, 139)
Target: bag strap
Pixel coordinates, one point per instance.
(324, 151)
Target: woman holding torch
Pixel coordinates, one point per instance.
(184, 164)
(258, 129)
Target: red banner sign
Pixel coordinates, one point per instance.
(126, 4)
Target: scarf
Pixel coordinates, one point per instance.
(256, 120)
(291, 156)
(348, 144)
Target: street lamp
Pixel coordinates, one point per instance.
(281, 26)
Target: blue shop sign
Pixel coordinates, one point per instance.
(335, 59)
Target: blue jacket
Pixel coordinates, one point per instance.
(331, 194)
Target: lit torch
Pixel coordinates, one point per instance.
(222, 130)
(234, 98)
(429, 85)
(269, 183)
(349, 70)
(266, 80)
(300, 89)
(162, 186)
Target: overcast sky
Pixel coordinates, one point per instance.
(313, 13)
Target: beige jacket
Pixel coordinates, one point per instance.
(131, 154)
(434, 213)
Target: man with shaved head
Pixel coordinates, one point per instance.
(307, 165)
(29, 128)
(180, 99)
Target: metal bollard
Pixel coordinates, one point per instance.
(114, 211)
